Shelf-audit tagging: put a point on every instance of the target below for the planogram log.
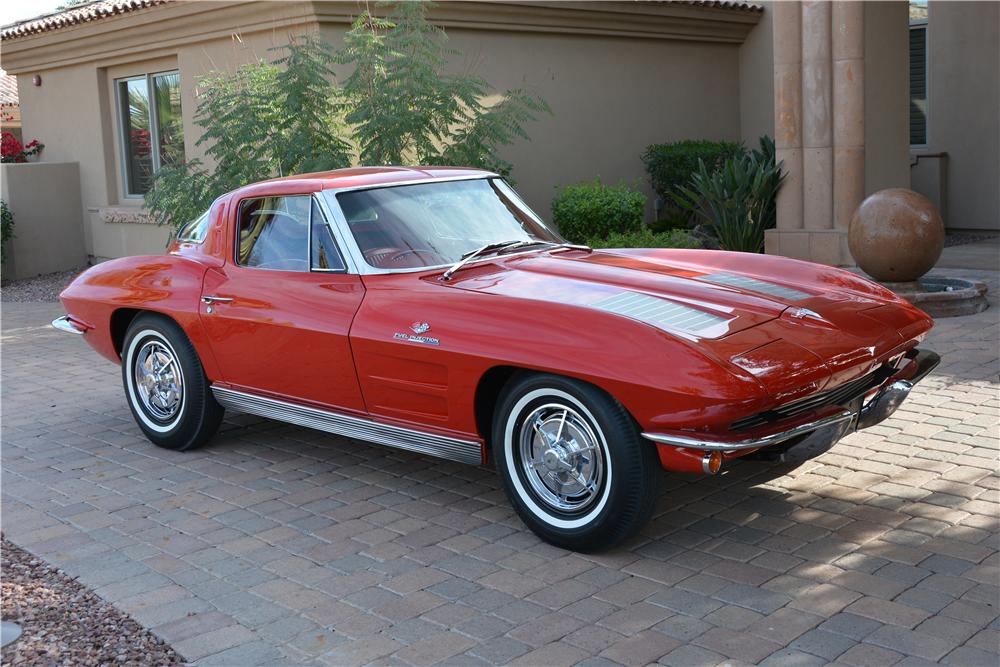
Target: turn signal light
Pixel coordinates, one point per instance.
(712, 463)
(695, 461)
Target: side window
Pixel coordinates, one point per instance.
(325, 256)
(274, 233)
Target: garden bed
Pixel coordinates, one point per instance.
(64, 623)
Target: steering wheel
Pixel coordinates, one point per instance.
(383, 257)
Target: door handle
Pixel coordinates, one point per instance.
(216, 299)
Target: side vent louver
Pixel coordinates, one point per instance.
(660, 313)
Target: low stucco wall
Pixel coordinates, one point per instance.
(48, 225)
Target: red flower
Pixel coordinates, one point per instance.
(11, 149)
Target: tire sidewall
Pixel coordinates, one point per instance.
(199, 415)
(615, 516)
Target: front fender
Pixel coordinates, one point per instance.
(663, 381)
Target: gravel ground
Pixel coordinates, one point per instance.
(42, 288)
(63, 623)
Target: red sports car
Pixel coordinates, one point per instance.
(432, 310)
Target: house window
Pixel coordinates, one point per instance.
(151, 129)
(918, 82)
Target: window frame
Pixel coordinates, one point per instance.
(154, 126)
(313, 202)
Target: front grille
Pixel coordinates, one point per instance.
(842, 395)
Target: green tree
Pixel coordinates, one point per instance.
(397, 106)
(264, 120)
(408, 110)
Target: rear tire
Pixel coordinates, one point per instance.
(573, 462)
(165, 384)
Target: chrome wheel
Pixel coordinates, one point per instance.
(159, 380)
(561, 458)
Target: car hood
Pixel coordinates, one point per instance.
(788, 323)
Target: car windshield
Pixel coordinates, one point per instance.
(433, 224)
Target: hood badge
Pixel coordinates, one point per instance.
(418, 328)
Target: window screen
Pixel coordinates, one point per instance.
(918, 85)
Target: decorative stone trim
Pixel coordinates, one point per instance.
(126, 216)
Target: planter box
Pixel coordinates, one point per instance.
(48, 218)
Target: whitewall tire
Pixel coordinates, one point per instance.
(165, 384)
(572, 462)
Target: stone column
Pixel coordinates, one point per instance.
(819, 126)
(817, 115)
(788, 109)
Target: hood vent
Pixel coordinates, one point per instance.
(660, 313)
(754, 285)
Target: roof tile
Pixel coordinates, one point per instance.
(92, 11)
(100, 9)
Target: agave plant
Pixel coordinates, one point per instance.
(737, 199)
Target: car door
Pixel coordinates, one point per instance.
(278, 313)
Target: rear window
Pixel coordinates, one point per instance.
(194, 231)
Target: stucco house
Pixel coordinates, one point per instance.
(830, 81)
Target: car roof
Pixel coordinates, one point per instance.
(361, 177)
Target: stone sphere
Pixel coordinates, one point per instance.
(896, 235)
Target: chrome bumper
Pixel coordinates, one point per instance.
(69, 325)
(822, 429)
(892, 394)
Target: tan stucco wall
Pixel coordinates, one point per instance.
(964, 108)
(756, 61)
(887, 90)
(611, 93)
(44, 198)
(610, 99)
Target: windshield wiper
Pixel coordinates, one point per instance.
(506, 245)
(481, 250)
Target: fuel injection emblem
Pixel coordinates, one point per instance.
(418, 329)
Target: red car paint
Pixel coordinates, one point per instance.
(329, 340)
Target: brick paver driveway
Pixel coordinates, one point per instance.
(281, 545)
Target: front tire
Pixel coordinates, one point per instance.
(573, 463)
(165, 384)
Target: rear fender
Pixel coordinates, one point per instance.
(166, 284)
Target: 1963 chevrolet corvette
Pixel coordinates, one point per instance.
(432, 310)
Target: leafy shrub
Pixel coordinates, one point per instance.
(6, 228)
(672, 218)
(670, 165)
(737, 200)
(646, 238)
(593, 210)
(398, 106)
